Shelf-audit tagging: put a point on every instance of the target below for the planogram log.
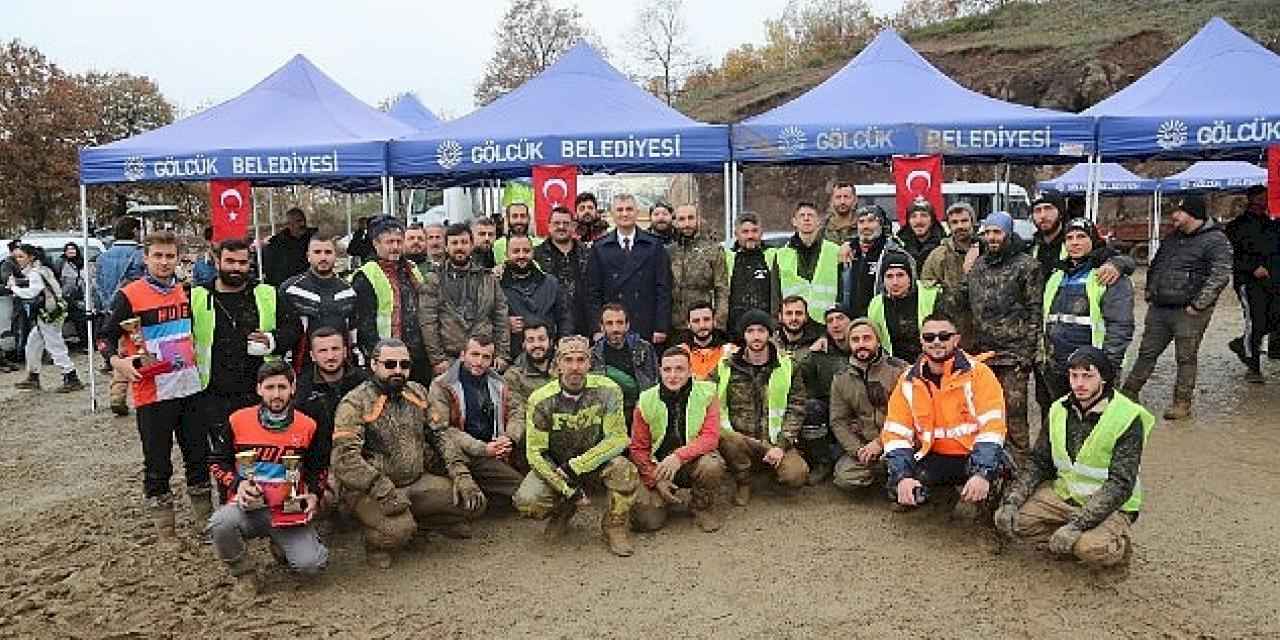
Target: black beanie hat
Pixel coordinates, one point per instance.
(752, 317)
(896, 259)
(1091, 355)
(1194, 206)
(1086, 225)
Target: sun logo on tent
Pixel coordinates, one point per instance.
(135, 168)
(791, 140)
(449, 154)
(1171, 134)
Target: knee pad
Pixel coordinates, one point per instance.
(621, 476)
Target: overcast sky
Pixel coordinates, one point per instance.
(201, 52)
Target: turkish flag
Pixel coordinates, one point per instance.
(1273, 181)
(231, 206)
(554, 185)
(918, 176)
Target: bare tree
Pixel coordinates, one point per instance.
(531, 36)
(664, 44)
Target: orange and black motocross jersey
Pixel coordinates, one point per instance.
(243, 431)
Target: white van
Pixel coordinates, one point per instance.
(984, 196)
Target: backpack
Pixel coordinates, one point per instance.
(54, 308)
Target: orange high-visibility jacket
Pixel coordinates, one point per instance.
(967, 410)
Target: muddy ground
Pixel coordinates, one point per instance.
(79, 562)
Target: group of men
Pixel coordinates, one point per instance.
(452, 372)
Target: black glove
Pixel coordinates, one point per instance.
(570, 476)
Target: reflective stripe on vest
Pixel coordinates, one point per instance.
(654, 412)
(820, 293)
(1082, 478)
(926, 298)
(1093, 290)
(203, 320)
(779, 389)
(382, 291)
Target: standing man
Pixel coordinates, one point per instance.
(761, 410)
(660, 222)
(1047, 244)
(839, 225)
(946, 265)
(859, 402)
(799, 329)
(698, 273)
(590, 225)
(286, 252)
(394, 470)
(319, 298)
(387, 296)
(459, 300)
(158, 357)
(896, 313)
(922, 233)
(323, 383)
(630, 267)
(533, 368)
(121, 264)
(1080, 492)
(1184, 281)
(566, 258)
(483, 234)
(436, 256)
(1255, 250)
(945, 424)
(415, 245)
(623, 356)
(532, 293)
(860, 277)
(753, 281)
(818, 368)
(809, 266)
(518, 220)
(674, 437)
(703, 341)
(575, 433)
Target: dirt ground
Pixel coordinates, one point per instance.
(78, 561)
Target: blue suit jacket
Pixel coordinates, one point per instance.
(641, 282)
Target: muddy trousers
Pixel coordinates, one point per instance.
(703, 476)
(1013, 380)
(1104, 545)
(231, 526)
(1260, 305)
(495, 477)
(853, 476)
(430, 505)
(742, 454)
(158, 423)
(1162, 326)
(47, 336)
(536, 499)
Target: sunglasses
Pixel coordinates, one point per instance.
(941, 336)
(403, 365)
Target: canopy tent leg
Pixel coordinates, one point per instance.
(271, 210)
(728, 202)
(383, 181)
(1158, 203)
(391, 195)
(348, 215)
(739, 189)
(91, 370)
(257, 239)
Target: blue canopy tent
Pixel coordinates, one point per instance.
(1110, 178)
(410, 110)
(1209, 175)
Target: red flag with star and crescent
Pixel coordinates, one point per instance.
(231, 207)
(916, 177)
(554, 185)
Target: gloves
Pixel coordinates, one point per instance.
(570, 476)
(1006, 517)
(467, 494)
(1064, 539)
(391, 501)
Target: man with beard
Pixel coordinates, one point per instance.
(761, 410)
(319, 298)
(839, 226)
(471, 398)
(859, 401)
(394, 470)
(703, 341)
(286, 252)
(435, 248)
(923, 233)
(323, 383)
(1047, 246)
(697, 270)
(518, 220)
(256, 503)
(1255, 251)
(623, 356)
(674, 437)
(1005, 293)
(1080, 492)
(946, 265)
(575, 434)
(566, 258)
(753, 282)
(531, 293)
(462, 299)
(897, 312)
(484, 232)
(945, 424)
(235, 327)
(660, 216)
(859, 278)
(590, 226)
(631, 267)
(387, 296)
(817, 369)
(799, 330)
(415, 245)
(532, 369)
(809, 266)
(1079, 311)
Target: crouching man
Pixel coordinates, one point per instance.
(1080, 491)
(674, 437)
(859, 400)
(270, 471)
(394, 471)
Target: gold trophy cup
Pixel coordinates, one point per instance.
(133, 330)
(292, 464)
(245, 461)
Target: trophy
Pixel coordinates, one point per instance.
(291, 476)
(245, 461)
(144, 361)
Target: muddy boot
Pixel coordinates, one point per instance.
(70, 382)
(558, 521)
(617, 534)
(742, 495)
(120, 407)
(460, 530)
(1180, 409)
(201, 506)
(32, 382)
(377, 558)
(160, 511)
(245, 588)
(703, 505)
(820, 471)
(966, 513)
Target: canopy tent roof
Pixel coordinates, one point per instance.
(579, 111)
(1216, 96)
(296, 126)
(889, 100)
(1112, 179)
(410, 110)
(1215, 176)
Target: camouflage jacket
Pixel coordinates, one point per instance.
(944, 265)
(455, 303)
(698, 274)
(581, 433)
(746, 397)
(1004, 294)
(837, 230)
(522, 380)
(819, 368)
(860, 399)
(380, 442)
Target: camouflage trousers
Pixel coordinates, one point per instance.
(430, 505)
(1105, 545)
(536, 499)
(1013, 381)
(702, 476)
(851, 475)
(742, 454)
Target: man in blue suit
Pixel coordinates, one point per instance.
(631, 267)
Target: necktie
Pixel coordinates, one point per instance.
(626, 246)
